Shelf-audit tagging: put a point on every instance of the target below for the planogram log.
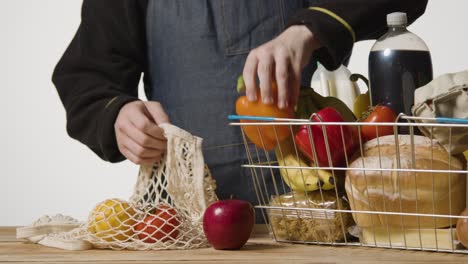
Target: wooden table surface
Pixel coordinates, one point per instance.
(259, 249)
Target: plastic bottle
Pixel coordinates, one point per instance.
(335, 83)
(399, 62)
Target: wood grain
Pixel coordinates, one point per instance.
(8, 234)
(260, 249)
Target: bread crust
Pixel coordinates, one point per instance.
(405, 191)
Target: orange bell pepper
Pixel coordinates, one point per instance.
(264, 136)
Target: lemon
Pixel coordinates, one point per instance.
(112, 220)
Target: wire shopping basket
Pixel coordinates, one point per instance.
(334, 186)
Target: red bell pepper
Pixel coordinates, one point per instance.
(334, 137)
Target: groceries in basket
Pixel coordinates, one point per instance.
(396, 186)
(306, 225)
(462, 228)
(397, 237)
(301, 179)
(462, 223)
(264, 137)
(378, 114)
(327, 145)
(399, 62)
(444, 97)
(267, 137)
(294, 165)
(335, 83)
(310, 102)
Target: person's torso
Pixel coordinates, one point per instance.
(197, 49)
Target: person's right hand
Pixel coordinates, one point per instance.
(282, 60)
(138, 135)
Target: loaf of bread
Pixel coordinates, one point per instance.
(427, 238)
(410, 191)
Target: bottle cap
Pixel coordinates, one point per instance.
(397, 19)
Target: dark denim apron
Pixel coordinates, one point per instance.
(197, 49)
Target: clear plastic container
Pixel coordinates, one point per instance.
(399, 62)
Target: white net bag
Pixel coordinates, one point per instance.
(165, 210)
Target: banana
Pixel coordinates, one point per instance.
(327, 178)
(300, 180)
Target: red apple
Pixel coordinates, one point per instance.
(229, 223)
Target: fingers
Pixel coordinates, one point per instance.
(136, 153)
(259, 61)
(138, 137)
(157, 112)
(145, 125)
(137, 160)
(249, 73)
(282, 59)
(282, 80)
(141, 119)
(271, 62)
(144, 140)
(265, 72)
(139, 151)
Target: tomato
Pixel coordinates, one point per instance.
(160, 226)
(379, 114)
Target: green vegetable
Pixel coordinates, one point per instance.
(311, 102)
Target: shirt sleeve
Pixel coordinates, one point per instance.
(339, 23)
(100, 71)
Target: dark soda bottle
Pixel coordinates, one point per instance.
(399, 62)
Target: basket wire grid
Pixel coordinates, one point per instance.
(264, 164)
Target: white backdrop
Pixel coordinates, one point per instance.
(43, 171)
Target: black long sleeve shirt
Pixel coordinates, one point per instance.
(100, 70)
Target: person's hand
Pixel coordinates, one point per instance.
(281, 59)
(138, 135)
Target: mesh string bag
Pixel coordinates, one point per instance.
(166, 208)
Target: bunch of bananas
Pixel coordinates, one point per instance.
(306, 179)
(303, 179)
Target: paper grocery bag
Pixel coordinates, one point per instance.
(445, 96)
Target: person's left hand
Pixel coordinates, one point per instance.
(281, 59)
